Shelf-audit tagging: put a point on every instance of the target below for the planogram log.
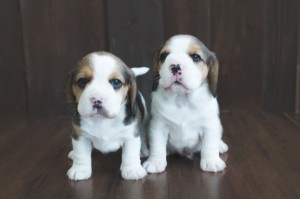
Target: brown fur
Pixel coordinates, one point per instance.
(76, 131)
(155, 72)
(213, 71)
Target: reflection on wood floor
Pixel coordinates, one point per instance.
(262, 162)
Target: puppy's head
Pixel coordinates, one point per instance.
(184, 64)
(99, 85)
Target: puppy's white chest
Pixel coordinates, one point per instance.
(185, 133)
(177, 111)
(105, 134)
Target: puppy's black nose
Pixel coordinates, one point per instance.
(175, 68)
(97, 103)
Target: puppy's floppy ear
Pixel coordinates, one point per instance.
(213, 70)
(71, 97)
(70, 94)
(155, 68)
(131, 106)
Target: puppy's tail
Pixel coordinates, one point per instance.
(140, 70)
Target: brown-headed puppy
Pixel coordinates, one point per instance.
(108, 113)
(184, 109)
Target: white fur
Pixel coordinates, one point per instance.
(184, 117)
(105, 133)
(140, 71)
(100, 88)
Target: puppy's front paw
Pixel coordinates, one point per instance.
(212, 165)
(79, 173)
(133, 173)
(155, 165)
(223, 148)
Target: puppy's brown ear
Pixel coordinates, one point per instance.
(155, 69)
(70, 94)
(213, 70)
(72, 98)
(131, 106)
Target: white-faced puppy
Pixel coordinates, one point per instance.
(108, 113)
(184, 109)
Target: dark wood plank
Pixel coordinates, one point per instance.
(13, 83)
(262, 163)
(298, 71)
(187, 17)
(280, 55)
(57, 34)
(135, 33)
(271, 50)
(288, 57)
(237, 40)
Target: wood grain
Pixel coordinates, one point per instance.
(13, 85)
(56, 35)
(261, 163)
(298, 71)
(187, 17)
(281, 46)
(135, 33)
(255, 41)
(237, 40)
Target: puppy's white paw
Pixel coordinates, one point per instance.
(79, 173)
(133, 173)
(223, 148)
(71, 155)
(212, 165)
(155, 165)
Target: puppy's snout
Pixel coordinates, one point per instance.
(97, 102)
(175, 69)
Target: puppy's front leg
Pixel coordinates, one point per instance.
(131, 168)
(210, 159)
(81, 156)
(158, 136)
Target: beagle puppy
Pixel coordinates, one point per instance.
(108, 113)
(184, 109)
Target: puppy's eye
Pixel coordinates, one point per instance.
(116, 83)
(163, 57)
(195, 57)
(82, 82)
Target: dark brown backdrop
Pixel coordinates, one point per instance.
(255, 41)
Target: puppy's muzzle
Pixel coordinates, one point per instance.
(175, 69)
(97, 102)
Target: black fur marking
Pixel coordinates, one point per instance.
(130, 112)
(140, 105)
(75, 114)
(127, 75)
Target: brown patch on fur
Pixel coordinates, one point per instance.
(124, 89)
(195, 49)
(213, 72)
(82, 69)
(76, 131)
(157, 65)
(209, 69)
(155, 70)
(85, 71)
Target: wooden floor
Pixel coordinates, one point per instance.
(263, 162)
